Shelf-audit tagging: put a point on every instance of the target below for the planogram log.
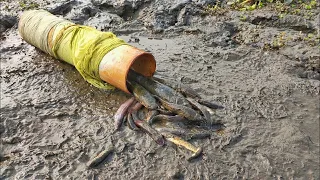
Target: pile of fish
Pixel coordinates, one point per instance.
(167, 111)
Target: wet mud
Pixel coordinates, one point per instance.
(53, 122)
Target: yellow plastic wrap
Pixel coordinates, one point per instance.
(81, 46)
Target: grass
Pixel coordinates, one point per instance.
(283, 7)
(27, 4)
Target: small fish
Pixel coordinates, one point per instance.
(151, 114)
(181, 110)
(135, 115)
(142, 113)
(142, 95)
(100, 157)
(165, 112)
(210, 104)
(180, 142)
(186, 133)
(121, 112)
(183, 89)
(158, 89)
(155, 135)
(203, 109)
(165, 118)
(197, 135)
(174, 131)
(136, 107)
(131, 124)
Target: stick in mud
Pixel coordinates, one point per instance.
(100, 157)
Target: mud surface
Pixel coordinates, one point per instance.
(52, 121)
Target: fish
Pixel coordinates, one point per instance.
(183, 89)
(188, 134)
(100, 157)
(155, 135)
(165, 112)
(142, 95)
(131, 124)
(203, 109)
(197, 135)
(197, 151)
(174, 131)
(151, 115)
(121, 112)
(165, 118)
(210, 104)
(158, 89)
(135, 107)
(181, 110)
(142, 113)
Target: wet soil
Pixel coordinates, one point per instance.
(261, 68)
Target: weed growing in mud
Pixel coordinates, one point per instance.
(311, 39)
(216, 9)
(26, 5)
(278, 42)
(281, 40)
(283, 7)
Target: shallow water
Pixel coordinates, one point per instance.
(52, 121)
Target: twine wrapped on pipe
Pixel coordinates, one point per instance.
(82, 46)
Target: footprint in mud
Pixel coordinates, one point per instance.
(6, 22)
(6, 171)
(31, 171)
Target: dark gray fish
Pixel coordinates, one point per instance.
(100, 157)
(175, 131)
(135, 116)
(181, 110)
(166, 118)
(121, 112)
(183, 89)
(142, 95)
(203, 109)
(151, 114)
(142, 113)
(197, 135)
(131, 124)
(165, 112)
(210, 104)
(158, 89)
(186, 133)
(155, 135)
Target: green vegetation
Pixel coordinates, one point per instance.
(283, 7)
(278, 42)
(280, 5)
(27, 4)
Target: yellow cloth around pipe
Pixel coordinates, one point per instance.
(82, 46)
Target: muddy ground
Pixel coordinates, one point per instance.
(263, 67)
